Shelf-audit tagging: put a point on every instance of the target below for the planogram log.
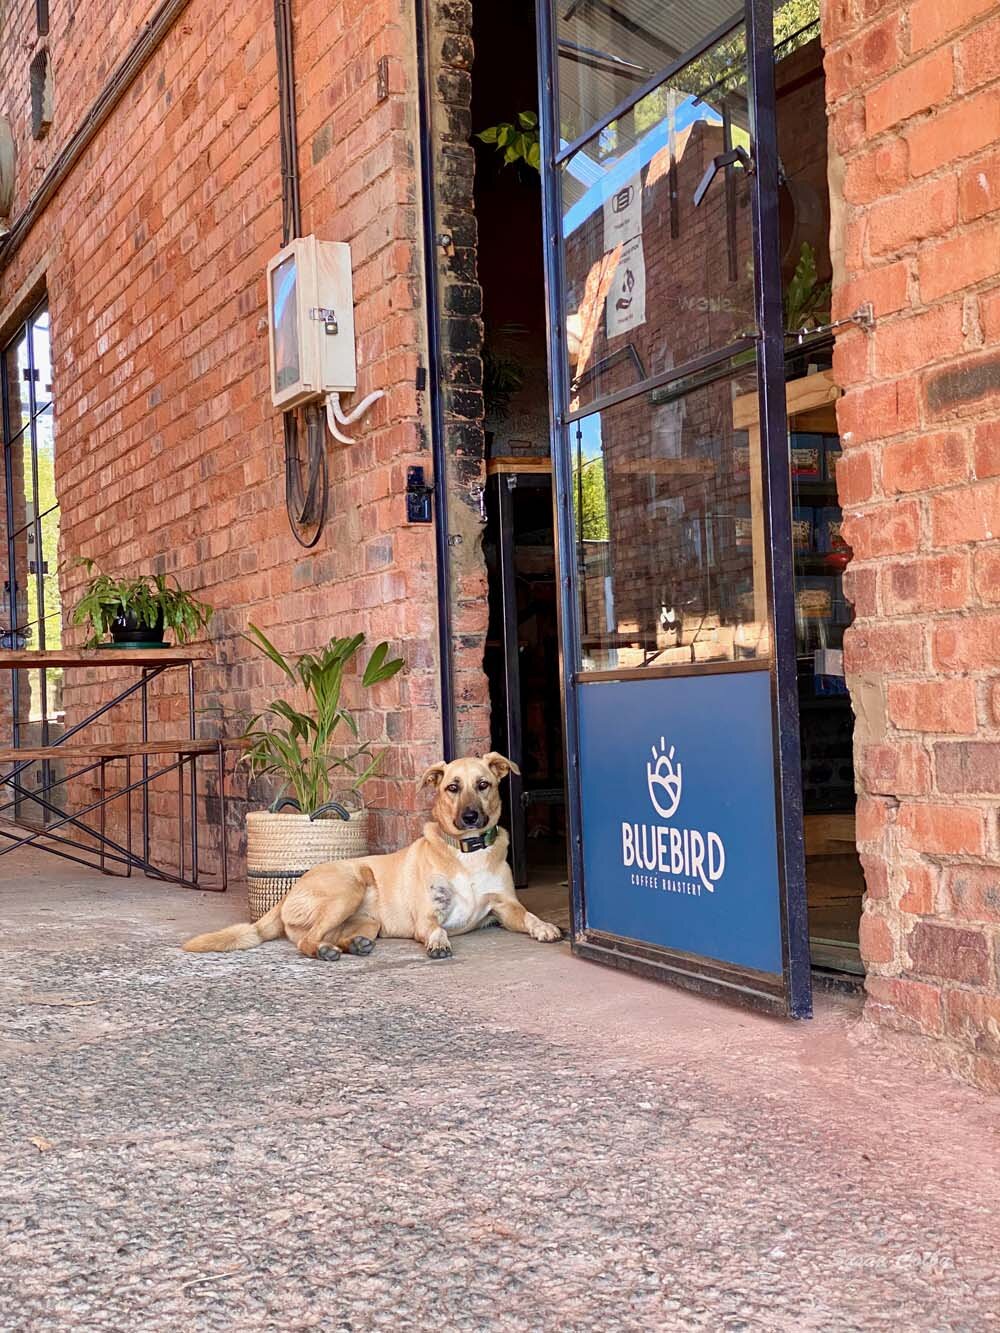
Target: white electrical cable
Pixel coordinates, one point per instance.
(336, 417)
(345, 419)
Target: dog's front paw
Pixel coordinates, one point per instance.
(544, 931)
(361, 945)
(329, 953)
(438, 945)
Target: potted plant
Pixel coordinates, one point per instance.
(137, 611)
(320, 777)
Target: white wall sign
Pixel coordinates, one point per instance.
(626, 301)
(623, 214)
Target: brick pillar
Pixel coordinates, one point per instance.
(914, 102)
(451, 57)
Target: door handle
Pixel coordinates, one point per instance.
(721, 160)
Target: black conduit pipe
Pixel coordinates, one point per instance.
(306, 504)
(435, 397)
(291, 207)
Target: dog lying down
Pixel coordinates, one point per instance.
(448, 881)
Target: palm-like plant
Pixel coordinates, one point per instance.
(297, 746)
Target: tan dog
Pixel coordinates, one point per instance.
(450, 879)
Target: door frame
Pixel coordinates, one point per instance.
(793, 997)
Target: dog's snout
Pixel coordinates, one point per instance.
(471, 816)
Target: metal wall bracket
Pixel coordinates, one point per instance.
(864, 317)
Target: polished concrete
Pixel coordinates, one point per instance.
(513, 1140)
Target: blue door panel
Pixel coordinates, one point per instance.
(678, 803)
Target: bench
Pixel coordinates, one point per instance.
(84, 757)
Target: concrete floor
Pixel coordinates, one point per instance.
(512, 1140)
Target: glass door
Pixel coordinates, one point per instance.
(660, 175)
(30, 612)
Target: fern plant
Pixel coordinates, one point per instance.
(297, 745)
(149, 600)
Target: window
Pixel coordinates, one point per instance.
(40, 78)
(31, 613)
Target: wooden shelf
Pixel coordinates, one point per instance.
(829, 834)
(812, 396)
(496, 466)
(809, 564)
(809, 488)
(17, 659)
(113, 750)
(809, 394)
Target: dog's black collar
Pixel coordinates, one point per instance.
(475, 842)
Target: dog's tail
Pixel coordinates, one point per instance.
(247, 935)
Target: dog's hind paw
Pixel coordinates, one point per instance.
(328, 952)
(361, 945)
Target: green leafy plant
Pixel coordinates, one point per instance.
(148, 599)
(503, 376)
(807, 300)
(297, 745)
(517, 143)
(591, 499)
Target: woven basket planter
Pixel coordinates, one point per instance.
(282, 847)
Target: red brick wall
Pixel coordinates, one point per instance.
(85, 42)
(914, 100)
(169, 454)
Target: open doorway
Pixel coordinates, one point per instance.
(834, 876)
(701, 607)
(522, 648)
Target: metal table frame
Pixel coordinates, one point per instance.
(187, 750)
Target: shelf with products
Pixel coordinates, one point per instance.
(807, 562)
(806, 490)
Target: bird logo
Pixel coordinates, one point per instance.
(664, 780)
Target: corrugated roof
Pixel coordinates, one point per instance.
(608, 48)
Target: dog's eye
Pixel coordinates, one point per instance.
(453, 787)
(482, 785)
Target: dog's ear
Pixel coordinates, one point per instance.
(499, 766)
(433, 776)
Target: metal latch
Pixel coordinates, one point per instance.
(328, 318)
(730, 159)
(418, 496)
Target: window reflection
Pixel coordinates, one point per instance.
(15, 378)
(31, 613)
(669, 528)
(608, 48)
(657, 231)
